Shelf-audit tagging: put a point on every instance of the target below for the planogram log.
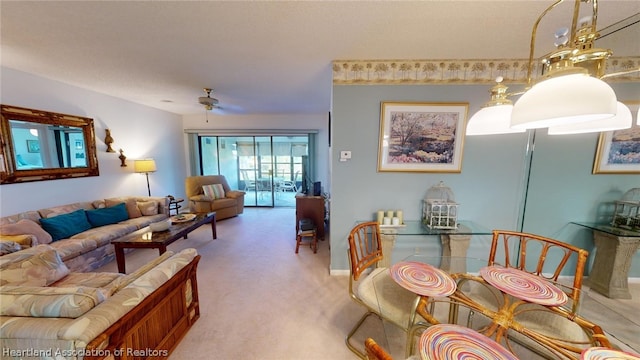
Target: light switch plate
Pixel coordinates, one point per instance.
(344, 154)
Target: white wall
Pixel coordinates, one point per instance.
(139, 130)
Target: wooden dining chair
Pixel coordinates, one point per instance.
(541, 256)
(395, 304)
(375, 351)
(564, 331)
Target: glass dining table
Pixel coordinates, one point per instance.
(530, 317)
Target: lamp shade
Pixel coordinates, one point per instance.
(144, 166)
(622, 120)
(492, 120)
(562, 100)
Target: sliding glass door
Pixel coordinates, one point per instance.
(268, 168)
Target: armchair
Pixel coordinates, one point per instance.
(229, 205)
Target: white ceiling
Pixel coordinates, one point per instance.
(267, 56)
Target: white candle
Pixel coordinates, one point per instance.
(380, 216)
(386, 221)
(395, 221)
(399, 215)
(390, 213)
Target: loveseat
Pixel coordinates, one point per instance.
(49, 312)
(82, 232)
(212, 193)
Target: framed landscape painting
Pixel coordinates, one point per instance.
(421, 137)
(619, 151)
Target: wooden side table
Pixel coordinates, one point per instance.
(174, 204)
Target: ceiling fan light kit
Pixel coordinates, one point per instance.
(208, 102)
(571, 98)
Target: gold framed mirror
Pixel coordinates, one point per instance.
(40, 145)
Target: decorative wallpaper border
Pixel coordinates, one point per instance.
(483, 71)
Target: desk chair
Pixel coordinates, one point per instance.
(397, 305)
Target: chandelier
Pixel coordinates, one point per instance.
(569, 98)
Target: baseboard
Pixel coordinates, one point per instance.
(339, 272)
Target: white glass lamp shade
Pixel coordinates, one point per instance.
(492, 120)
(144, 166)
(622, 120)
(564, 100)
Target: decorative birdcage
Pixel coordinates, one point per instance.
(627, 211)
(439, 209)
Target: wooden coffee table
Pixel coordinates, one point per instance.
(145, 238)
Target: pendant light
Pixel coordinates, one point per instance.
(495, 115)
(622, 120)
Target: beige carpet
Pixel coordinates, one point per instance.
(259, 300)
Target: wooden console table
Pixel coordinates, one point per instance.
(615, 248)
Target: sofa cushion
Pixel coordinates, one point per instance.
(213, 191)
(148, 208)
(130, 204)
(42, 269)
(29, 227)
(106, 281)
(51, 302)
(108, 215)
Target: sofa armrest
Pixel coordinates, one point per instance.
(200, 198)
(234, 194)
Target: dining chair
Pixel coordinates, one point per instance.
(395, 304)
(375, 351)
(560, 327)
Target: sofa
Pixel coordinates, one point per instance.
(47, 311)
(81, 232)
(212, 193)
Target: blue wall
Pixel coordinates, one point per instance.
(491, 186)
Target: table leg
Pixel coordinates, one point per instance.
(120, 258)
(611, 265)
(162, 249)
(454, 246)
(388, 239)
(213, 227)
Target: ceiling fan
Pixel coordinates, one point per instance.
(208, 102)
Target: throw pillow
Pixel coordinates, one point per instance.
(25, 241)
(29, 227)
(41, 269)
(214, 191)
(106, 216)
(8, 247)
(130, 203)
(66, 225)
(148, 208)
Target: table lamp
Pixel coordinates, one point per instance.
(145, 166)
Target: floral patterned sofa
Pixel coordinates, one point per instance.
(49, 312)
(81, 232)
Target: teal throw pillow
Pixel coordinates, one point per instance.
(66, 225)
(106, 216)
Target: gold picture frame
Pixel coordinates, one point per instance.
(421, 137)
(618, 152)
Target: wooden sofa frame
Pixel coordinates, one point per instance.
(153, 328)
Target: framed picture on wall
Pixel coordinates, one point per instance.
(421, 137)
(618, 151)
(33, 146)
